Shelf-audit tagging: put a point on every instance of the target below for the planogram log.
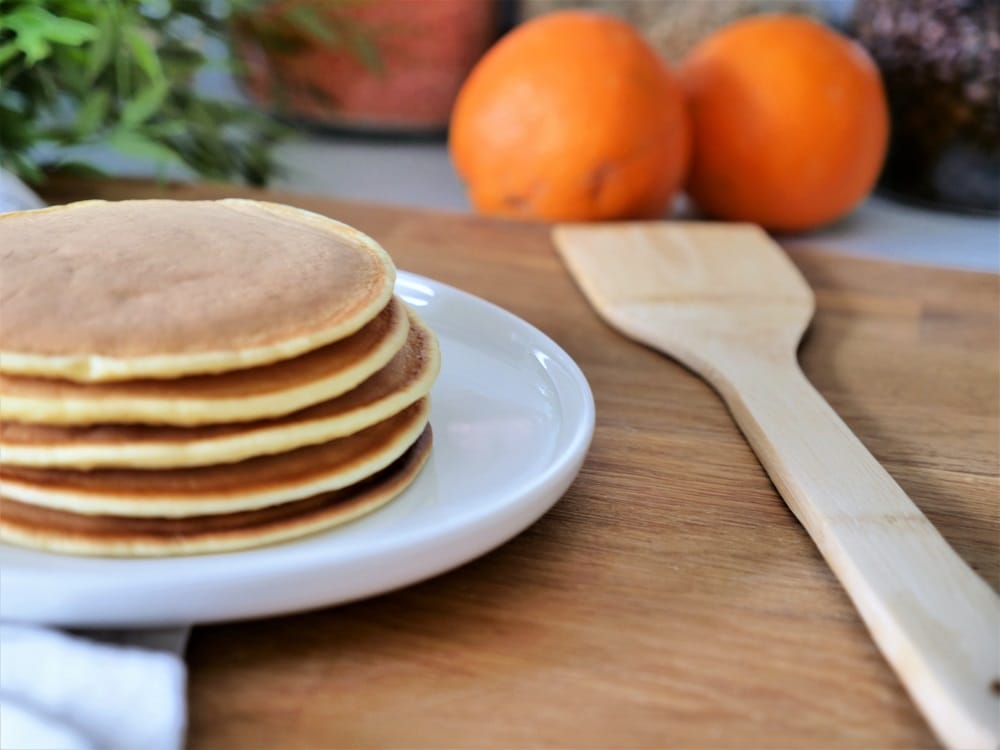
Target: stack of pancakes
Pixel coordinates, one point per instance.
(185, 377)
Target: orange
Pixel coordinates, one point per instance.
(571, 116)
(790, 122)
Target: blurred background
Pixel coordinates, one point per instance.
(354, 98)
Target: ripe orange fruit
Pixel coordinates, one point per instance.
(571, 116)
(790, 122)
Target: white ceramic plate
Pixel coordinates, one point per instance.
(512, 417)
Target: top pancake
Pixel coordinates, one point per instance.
(99, 291)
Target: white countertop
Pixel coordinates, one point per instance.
(419, 174)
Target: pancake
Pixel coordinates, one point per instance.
(238, 396)
(59, 531)
(99, 291)
(407, 378)
(223, 488)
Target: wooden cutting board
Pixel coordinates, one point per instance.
(670, 599)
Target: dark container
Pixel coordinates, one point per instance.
(940, 60)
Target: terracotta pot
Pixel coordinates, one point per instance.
(388, 65)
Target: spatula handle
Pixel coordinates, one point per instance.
(934, 619)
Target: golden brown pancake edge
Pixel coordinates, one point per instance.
(405, 379)
(67, 533)
(205, 490)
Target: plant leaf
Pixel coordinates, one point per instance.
(68, 31)
(144, 54)
(132, 143)
(311, 24)
(92, 112)
(24, 167)
(80, 169)
(101, 50)
(34, 28)
(169, 129)
(145, 104)
(8, 51)
(33, 45)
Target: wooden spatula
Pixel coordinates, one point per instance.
(726, 301)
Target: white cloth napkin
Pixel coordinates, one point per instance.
(101, 690)
(70, 692)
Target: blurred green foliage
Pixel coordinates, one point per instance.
(122, 73)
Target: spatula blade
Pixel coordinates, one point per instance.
(675, 285)
(667, 261)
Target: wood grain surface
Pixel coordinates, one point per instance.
(725, 300)
(670, 599)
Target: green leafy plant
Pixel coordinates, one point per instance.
(122, 73)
